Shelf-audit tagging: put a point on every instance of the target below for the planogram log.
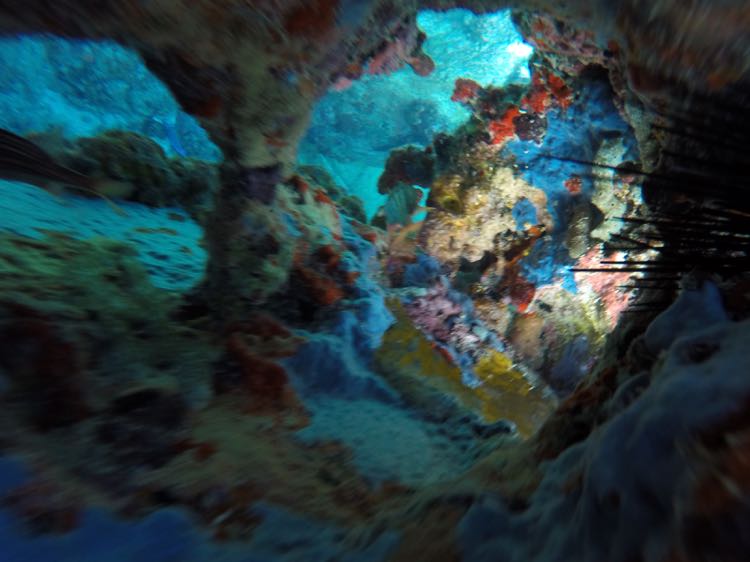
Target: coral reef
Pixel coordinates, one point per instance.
(234, 362)
(446, 347)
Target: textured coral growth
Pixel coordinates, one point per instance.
(322, 197)
(545, 87)
(577, 416)
(254, 346)
(323, 290)
(503, 129)
(561, 92)
(264, 380)
(329, 257)
(607, 284)
(266, 333)
(522, 293)
(422, 64)
(392, 57)
(370, 235)
(300, 185)
(538, 98)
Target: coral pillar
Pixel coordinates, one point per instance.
(225, 283)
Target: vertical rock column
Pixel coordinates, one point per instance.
(226, 281)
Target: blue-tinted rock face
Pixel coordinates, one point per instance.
(81, 88)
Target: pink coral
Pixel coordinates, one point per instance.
(342, 83)
(389, 59)
(439, 315)
(432, 312)
(605, 284)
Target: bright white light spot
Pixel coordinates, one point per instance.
(520, 50)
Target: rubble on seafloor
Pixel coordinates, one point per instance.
(300, 384)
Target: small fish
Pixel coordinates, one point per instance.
(402, 204)
(172, 128)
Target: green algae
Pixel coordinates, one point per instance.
(98, 297)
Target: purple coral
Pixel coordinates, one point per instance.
(434, 313)
(440, 314)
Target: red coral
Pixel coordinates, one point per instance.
(465, 90)
(329, 257)
(409, 165)
(561, 92)
(323, 290)
(299, 185)
(538, 98)
(522, 293)
(264, 380)
(389, 59)
(502, 129)
(342, 83)
(370, 235)
(403, 48)
(350, 277)
(350, 73)
(265, 336)
(576, 417)
(574, 185)
(263, 326)
(204, 451)
(443, 352)
(322, 197)
(545, 87)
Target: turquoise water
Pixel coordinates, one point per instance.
(352, 131)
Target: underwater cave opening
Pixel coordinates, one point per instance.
(416, 345)
(479, 227)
